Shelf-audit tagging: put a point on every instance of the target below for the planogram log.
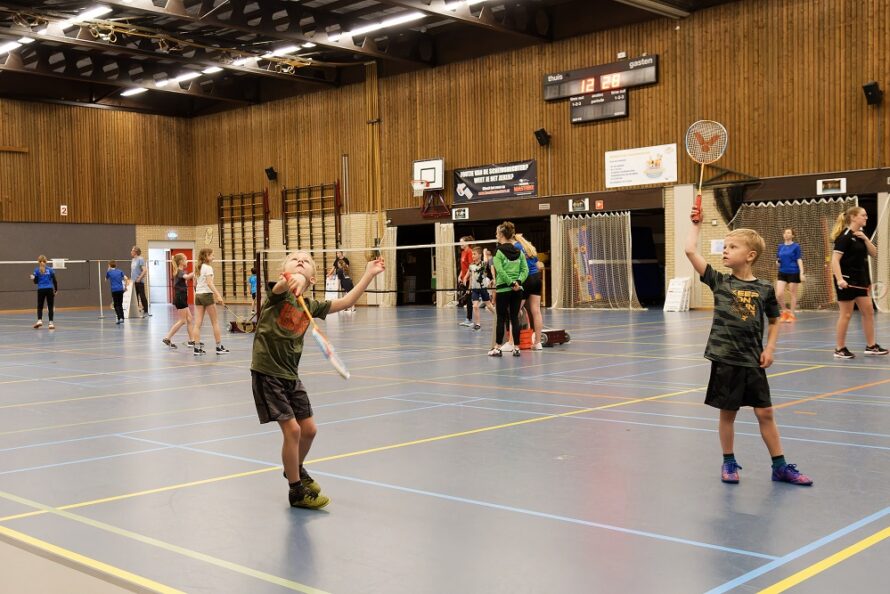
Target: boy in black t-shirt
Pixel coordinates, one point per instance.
(735, 348)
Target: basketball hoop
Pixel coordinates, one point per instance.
(419, 186)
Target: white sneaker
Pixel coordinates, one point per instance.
(507, 347)
(467, 323)
(38, 324)
(51, 326)
(537, 347)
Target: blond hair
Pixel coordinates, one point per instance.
(527, 247)
(507, 229)
(843, 221)
(177, 260)
(750, 238)
(41, 263)
(292, 255)
(202, 257)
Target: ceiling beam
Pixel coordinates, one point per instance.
(273, 19)
(462, 14)
(658, 7)
(70, 64)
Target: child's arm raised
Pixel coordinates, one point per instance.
(374, 268)
(698, 262)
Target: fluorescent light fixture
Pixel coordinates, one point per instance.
(289, 49)
(186, 76)
(8, 47)
(308, 44)
(456, 5)
(92, 13)
(241, 61)
(212, 70)
(395, 21)
(25, 40)
(162, 83)
(657, 7)
(134, 91)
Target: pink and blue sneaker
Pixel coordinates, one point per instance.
(789, 474)
(730, 472)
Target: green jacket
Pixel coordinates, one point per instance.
(509, 266)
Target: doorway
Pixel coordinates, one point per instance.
(414, 272)
(160, 256)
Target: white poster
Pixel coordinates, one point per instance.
(641, 166)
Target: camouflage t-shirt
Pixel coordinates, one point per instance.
(739, 309)
(278, 342)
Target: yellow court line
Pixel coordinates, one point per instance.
(827, 563)
(172, 548)
(94, 564)
(827, 394)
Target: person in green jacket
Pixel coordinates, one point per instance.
(511, 270)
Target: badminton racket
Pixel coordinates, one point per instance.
(327, 349)
(706, 142)
(241, 324)
(875, 291)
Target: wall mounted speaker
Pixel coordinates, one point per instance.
(271, 173)
(542, 136)
(873, 93)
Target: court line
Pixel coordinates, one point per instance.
(827, 563)
(547, 516)
(784, 560)
(828, 394)
(170, 547)
(94, 564)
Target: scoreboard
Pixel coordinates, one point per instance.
(624, 74)
(598, 106)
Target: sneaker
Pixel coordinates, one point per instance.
(783, 317)
(191, 343)
(221, 350)
(507, 347)
(843, 353)
(874, 349)
(38, 324)
(515, 352)
(119, 321)
(172, 345)
(495, 352)
(790, 474)
(308, 482)
(477, 326)
(199, 349)
(307, 499)
(466, 323)
(537, 347)
(730, 472)
(53, 327)
(790, 317)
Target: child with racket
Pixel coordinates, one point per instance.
(735, 346)
(180, 301)
(278, 393)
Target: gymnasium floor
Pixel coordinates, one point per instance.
(588, 467)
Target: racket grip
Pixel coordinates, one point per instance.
(696, 210)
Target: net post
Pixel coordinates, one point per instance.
(99, 276)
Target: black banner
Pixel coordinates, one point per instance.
(495, 182)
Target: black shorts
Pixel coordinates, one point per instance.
(533, 284)
(850, 293)
(479, 295)
(279, 399)
(788, 277)
(181, 301)
(733, 386)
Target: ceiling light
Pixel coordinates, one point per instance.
(212, 70)
(456, 5)
(399, 20)
(241, 61)
(93, 13)
(308, 44)
(135, 91)
(658, 7)
(162, 83)
(8, 47)
(25, 40)
(186, 76)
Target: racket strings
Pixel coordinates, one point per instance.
(706, 141)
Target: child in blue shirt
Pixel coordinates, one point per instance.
(47, 285)
(118, 280)
(251, 280)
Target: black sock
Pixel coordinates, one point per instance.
(297, 486)
(779, 461)
(728, 458)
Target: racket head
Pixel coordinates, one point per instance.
(327, 349)
(706, 141)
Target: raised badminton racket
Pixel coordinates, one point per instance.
(706, 142)
(327, 349)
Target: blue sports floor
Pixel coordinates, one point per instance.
(589, 467)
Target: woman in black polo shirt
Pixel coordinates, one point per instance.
(849, 266)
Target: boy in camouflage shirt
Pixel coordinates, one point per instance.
(735, 346)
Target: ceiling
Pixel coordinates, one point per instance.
(202, 56)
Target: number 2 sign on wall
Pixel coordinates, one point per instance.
(63, 210)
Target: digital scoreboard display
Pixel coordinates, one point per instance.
(599, 79)
(598, 106)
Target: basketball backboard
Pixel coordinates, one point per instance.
(431, 170)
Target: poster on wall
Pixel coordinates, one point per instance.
(496, 182)
(641, 166)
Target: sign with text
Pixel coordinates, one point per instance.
(641, 166)
(495, 182)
